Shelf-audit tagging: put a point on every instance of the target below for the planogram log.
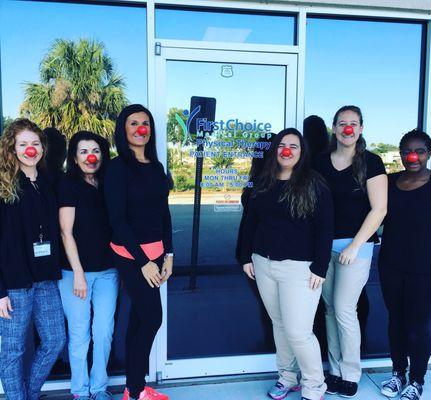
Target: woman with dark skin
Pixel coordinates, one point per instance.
(405, 269)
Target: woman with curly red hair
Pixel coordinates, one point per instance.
(29, 262)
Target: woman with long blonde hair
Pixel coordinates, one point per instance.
(29, 262)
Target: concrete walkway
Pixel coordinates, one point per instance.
(253, 388)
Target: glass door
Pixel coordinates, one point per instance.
(216, 112)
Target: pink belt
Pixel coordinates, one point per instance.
(152, 250)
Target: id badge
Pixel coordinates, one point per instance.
(42, 249)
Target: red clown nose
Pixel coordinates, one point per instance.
(92, 159)
(286, 152)
(30, 152)
(412, 157)
(348, 130)
(142, 130)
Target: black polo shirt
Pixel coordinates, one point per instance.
(91, 229)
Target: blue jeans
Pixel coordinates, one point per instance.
(102, 295)
(40, 304)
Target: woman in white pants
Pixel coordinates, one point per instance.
(286, 248)
(358, 183)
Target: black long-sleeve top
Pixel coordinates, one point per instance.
(21, 223)
(405, 241)
(137, 201)
(271, 231)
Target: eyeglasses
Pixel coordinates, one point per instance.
(420, 152)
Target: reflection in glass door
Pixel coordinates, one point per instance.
(214, 320)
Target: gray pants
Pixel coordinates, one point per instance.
(341, 291)
(292, 305)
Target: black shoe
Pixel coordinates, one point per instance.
(333, 384)
(348, 389)
(412, 392)
(394, 386)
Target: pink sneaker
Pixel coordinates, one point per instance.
(151, 394)
(126, 394)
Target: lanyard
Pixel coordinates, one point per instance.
(39, 209)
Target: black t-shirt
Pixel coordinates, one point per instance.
(91, 229)
(351, 203)
(271, 231)
(406, 240)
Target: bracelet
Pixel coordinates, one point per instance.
(169, 255)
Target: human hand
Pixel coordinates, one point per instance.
(5, 308)
(249, 270)
(348, 255)
(152, 274)
(167, 268)
(316, 281)
(80, 285)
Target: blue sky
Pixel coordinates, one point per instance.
(232, 94)
(374, 65)
(229, 27)
(29, 28)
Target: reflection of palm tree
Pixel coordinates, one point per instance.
(79, 89)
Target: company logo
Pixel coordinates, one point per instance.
(228, 128)
(185, 127)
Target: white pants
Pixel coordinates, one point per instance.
(341, 291)
(291, 304)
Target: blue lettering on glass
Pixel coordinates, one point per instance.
(231, 128)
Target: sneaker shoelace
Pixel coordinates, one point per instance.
(410, 393)
(393, 384)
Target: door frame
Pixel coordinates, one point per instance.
(160, 366)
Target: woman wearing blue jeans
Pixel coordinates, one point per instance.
(29, 262)
(90, 283)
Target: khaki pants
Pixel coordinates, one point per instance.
(341, 291)
(292, 305)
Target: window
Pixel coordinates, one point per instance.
(375, 65)
(372, 64)
(238, 27)
(44, 28)
(32, 32)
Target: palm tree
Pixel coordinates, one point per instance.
(78, 90)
